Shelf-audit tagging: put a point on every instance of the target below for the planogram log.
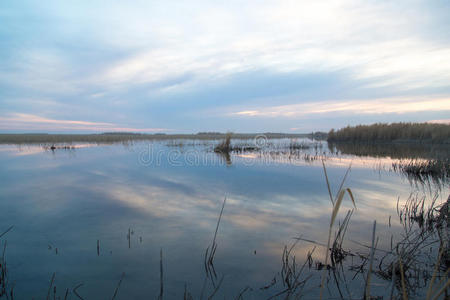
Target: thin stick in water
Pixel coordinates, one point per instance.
(118, 285)
(161, 288)
(129, 238)
(50, 287)
(75, 291)
(7, 230)
(372, 252)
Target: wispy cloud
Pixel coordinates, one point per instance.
(19, 121)
(293, 36)
(27, 118)
(372, 106)
(446, 121)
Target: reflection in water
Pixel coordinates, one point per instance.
(107, 212)
(425, 172)
(420, 164)
(225, 156)
(399, 151)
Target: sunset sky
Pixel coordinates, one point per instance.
(241, 66)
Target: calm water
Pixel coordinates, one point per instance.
(169, 198)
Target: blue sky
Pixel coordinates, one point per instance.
(241, 66)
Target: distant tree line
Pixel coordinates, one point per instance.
(121, 133)
(209, 133)
(394, 132)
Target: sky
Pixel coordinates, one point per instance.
(240, 66)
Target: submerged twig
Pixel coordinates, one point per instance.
(7, 230)
(75, 291)
(118, 285)
(161, 279)
(50, 287)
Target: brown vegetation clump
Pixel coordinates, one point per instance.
(225, 145)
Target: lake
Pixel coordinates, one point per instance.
(98, 218)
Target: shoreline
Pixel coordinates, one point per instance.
(27, 138)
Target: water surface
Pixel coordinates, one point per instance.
(169, 196)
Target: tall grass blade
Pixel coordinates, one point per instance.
(433, 278)
(393, 281)
(402, 277)
(328, 182)
(216, 289)
(338, 202)
(50, 287)
(349, 191)
(447, 284)
(218, 221)
(372, 252)
(336, 207)
(344, 178)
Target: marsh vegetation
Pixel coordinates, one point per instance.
(109, 138)
(393, 132)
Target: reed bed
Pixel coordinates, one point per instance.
(393, 132)
(250, 146)
(420, 170)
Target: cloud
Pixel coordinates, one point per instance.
(370, 106)
(447, 121)
(373, 40)
(122, 62)
(19, 121)
(27, 118)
